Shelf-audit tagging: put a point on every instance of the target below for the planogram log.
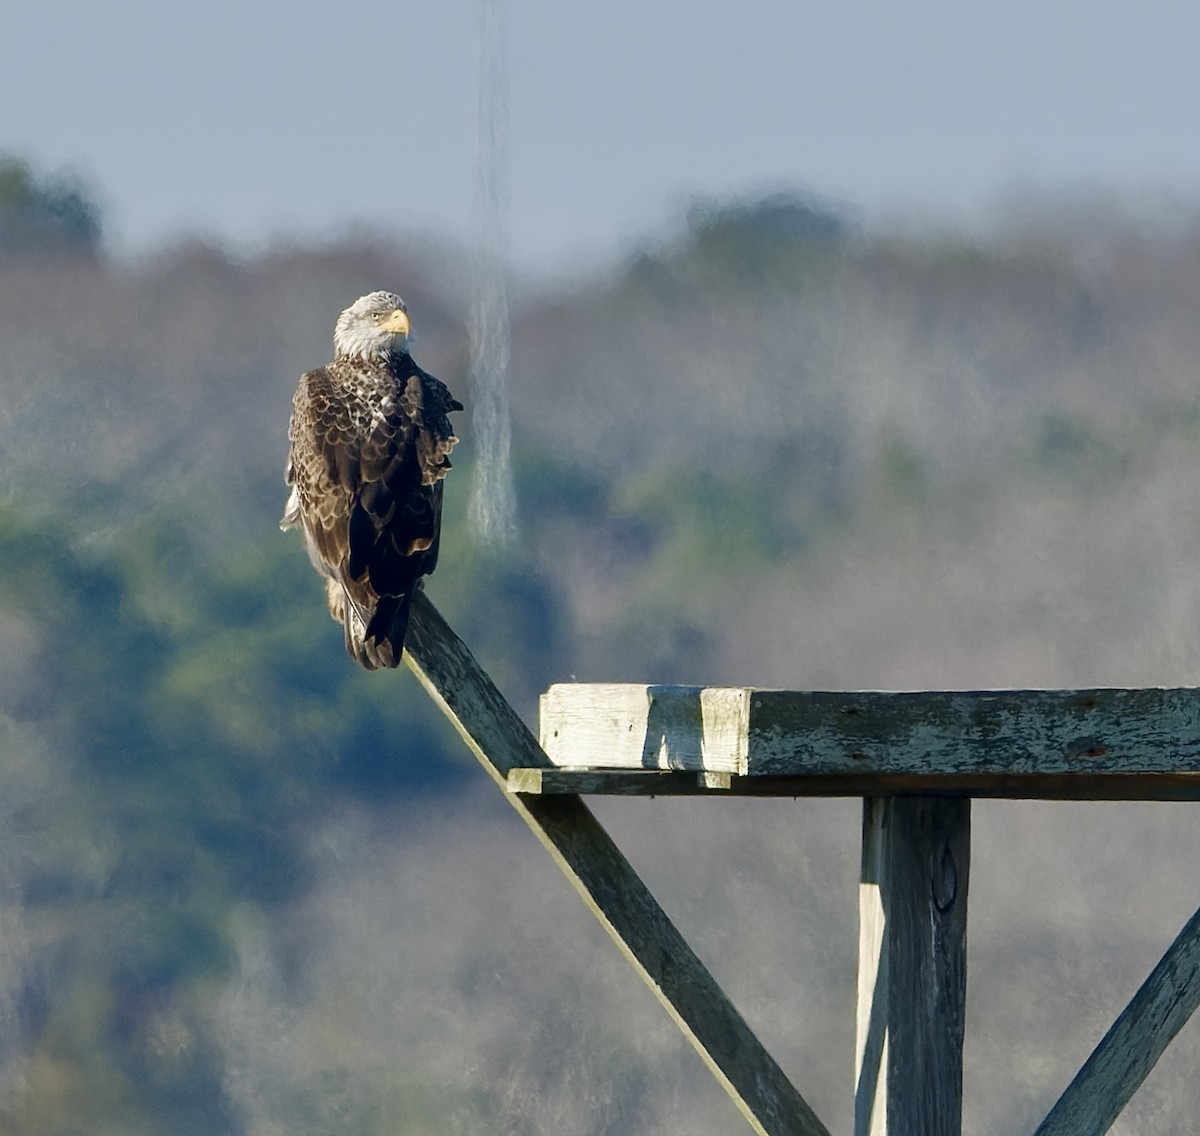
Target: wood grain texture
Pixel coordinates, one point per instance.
(912, 967)
(1132, 1047)
(986, 734)
(606, 882)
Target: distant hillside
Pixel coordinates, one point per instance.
(242, 883)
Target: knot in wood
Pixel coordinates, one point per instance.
(944, 880)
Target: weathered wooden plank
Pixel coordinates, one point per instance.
(1071, 786)
(870, 1033)
(1132, 1047)
(606, 882)
(645, 727)
(999, 733)
(912, 966)
(617, 782)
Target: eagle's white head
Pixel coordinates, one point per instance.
(373, 327)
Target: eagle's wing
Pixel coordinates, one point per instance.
(322, 469)
(366, 485)
(433, 445)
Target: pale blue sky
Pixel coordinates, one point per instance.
(244, 119)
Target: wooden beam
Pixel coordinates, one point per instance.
(1081, 786)
(626, 725)
(1132, 1047)
(912, 966)
(982, 734)
(606, 882)
(621, 782)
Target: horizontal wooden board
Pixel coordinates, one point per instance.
(988, 734)
(1075, 786)
(619, 725)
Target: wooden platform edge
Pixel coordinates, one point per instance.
(1075, 786)
(1132, 1047)
(606, 882)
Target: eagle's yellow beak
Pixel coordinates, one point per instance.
(396, 323)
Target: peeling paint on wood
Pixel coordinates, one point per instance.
(994, 733)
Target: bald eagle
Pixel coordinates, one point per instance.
(370, 445)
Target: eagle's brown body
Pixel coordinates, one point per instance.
(370, 444)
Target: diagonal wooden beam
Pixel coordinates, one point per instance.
(608, 885)
(1132, 1047)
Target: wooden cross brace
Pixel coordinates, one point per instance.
(916, 759)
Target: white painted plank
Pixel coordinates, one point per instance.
(618, 725)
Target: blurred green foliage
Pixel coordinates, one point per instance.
(206, 718)
(757, 405)
(40, 215)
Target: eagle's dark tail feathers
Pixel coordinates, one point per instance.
(382, 642)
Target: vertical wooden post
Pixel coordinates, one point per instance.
(912, 966)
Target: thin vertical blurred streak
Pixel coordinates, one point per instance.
(493, 496)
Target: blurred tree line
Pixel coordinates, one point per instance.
(40, 216)
(737, 417)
